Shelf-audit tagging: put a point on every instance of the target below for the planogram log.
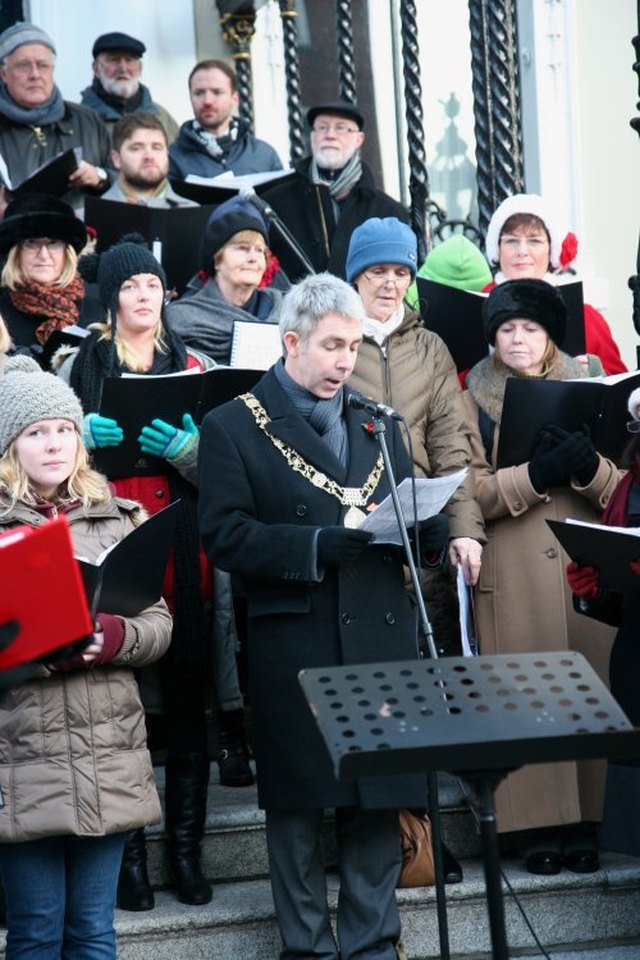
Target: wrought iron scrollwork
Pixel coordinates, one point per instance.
(238, 30)
(292, 70)
(346, 58)
(418, 175)
(634, 282)
(496, 103)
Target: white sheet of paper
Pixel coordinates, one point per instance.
(467, 617)
(431, 496)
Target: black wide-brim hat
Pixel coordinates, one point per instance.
(36, 215)
(525, 300)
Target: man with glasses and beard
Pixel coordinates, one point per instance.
(332, 194)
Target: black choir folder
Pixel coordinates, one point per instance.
(51, 178)
(134, 401)
(129, 576)
(599, 404)
(609, 549)
(172, 233)
(456, 316)
(42, 591)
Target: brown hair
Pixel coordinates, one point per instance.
(216, 65)
(127, 125)
(528, 222)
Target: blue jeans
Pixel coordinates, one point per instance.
(61, 895)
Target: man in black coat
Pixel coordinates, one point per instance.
(333, 193)
(284, 473)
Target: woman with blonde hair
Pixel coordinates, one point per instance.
(75, 730)
(40, 287)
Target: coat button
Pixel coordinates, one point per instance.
(346, 618)
(552, 553)
(159, 494)
(390, 618)
(301, 510)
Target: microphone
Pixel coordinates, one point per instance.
(250, 196)
(358, 402)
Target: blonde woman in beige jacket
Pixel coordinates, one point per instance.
(75, 772)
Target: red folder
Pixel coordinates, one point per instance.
(42, 590)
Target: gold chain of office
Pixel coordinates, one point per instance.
(348, 496)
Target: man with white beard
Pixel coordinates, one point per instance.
(116, 89)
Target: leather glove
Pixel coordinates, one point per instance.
(98, 431)
(583, 580)
(164, 440)
(583, 458)
(549, 469)
(338, 545)
(433, 537)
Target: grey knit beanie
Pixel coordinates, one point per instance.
(21, 33)
(28, 394)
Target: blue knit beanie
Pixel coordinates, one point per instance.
(381, 241)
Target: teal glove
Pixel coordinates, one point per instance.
(163, 440)
(100, 431)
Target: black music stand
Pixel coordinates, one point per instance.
(476, 717)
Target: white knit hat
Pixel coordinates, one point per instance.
(523, 203)
(633, 403)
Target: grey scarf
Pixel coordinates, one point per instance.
(323, 416)
(343, 184)
(50, 111)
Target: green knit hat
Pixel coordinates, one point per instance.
(456, 262)
(28, 394)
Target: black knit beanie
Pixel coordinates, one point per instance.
(525, 300)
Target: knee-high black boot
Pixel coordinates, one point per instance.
(134, 889)
(186, 784)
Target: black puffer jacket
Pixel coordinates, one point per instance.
(308, 211)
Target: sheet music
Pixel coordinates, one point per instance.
(431, 496)
(468, 627)
(255, 346)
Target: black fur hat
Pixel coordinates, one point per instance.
(37, 215)
(527, 300)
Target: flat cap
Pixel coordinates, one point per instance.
(339, 108)
(118, 41)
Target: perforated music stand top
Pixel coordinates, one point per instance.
(465, 714)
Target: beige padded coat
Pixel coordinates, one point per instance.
(73, 745)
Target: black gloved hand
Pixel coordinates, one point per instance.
(433, 537)
(337, 545)
(549, 464)
(583, 458)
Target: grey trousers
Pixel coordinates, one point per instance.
(367, 921)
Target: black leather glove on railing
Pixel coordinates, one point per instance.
(338, 545)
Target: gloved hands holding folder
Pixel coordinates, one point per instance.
(163, 440)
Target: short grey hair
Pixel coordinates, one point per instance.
(304, 306)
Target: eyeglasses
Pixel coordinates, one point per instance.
(26, 67)
(342, 129)
(393, 275)
(531, 242)
(34, 246)
(633, 426)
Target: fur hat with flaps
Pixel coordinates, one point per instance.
(525, 300)
(28, 394)
(231, 217)
(123, 260)
(34, 216)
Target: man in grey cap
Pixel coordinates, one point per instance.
(36, 124)
(116, 88)
(332, 194)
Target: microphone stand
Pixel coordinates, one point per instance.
(379, 432)
(267, 210)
